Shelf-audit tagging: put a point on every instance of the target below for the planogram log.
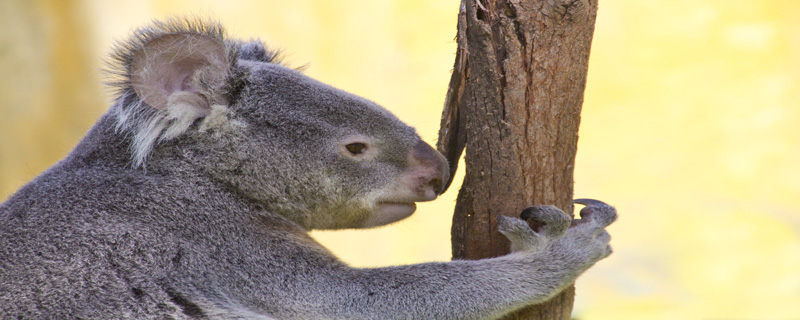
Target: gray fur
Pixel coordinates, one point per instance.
(244, 156)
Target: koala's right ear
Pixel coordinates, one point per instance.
(167, 76)
(181, 71)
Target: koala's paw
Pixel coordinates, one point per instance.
(549, 224)
(587, 238)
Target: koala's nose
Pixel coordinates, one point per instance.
(434, 169)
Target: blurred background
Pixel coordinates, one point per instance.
(690, 128)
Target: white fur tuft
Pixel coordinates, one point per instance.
(150, 126)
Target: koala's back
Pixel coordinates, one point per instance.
(65, 250)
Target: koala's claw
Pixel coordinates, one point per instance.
(588, 202)
(596, 212)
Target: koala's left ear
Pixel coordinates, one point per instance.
(181, 71)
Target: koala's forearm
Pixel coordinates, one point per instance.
(483, 289)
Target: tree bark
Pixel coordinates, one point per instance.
(514, 102)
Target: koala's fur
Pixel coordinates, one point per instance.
(192, 196)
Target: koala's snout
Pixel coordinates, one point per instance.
(430, 168)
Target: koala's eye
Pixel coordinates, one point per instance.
(356, 148)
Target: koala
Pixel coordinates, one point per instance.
(191, 198)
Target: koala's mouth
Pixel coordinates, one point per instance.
(390, 211)
(392, 208)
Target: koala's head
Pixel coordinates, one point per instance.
(320, 156)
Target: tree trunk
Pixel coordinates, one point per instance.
(514, 101)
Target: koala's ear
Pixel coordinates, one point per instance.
(180, 68)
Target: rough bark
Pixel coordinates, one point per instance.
(514, 102)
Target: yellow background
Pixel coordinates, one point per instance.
(690, 128)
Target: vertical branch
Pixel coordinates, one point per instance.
(514, 102)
